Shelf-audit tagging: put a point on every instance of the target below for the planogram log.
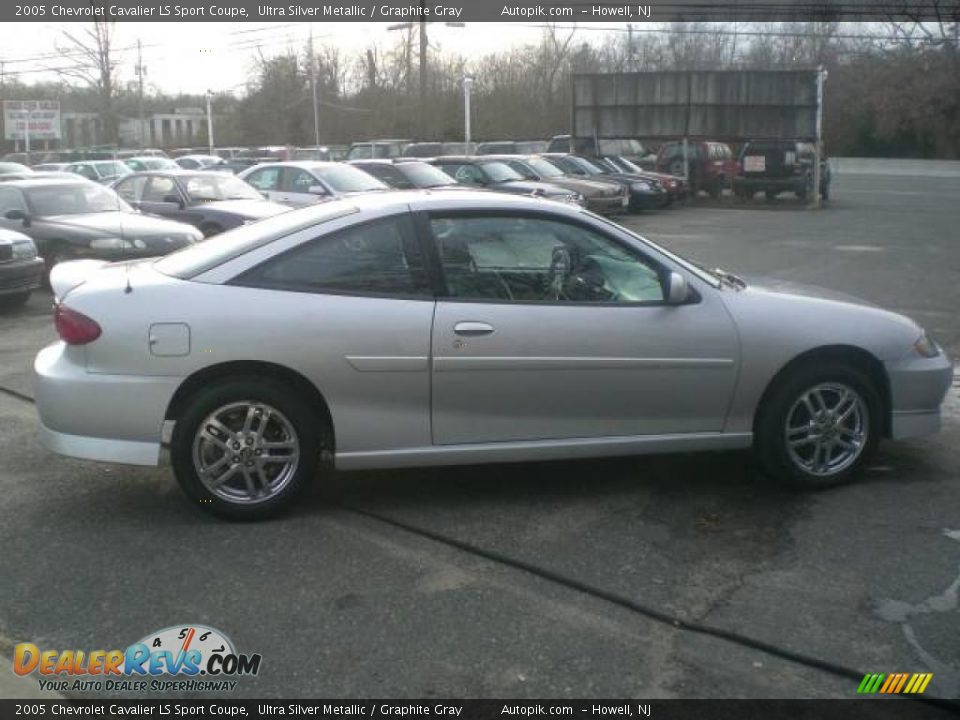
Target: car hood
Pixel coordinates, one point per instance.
(787, 287)
(247, 208)
(119, 224)
(530, 187)
(588, 188)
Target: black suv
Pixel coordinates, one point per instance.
(776, 166)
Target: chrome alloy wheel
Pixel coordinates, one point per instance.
(826, 429)
(246, 452)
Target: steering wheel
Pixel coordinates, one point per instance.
(560, 266)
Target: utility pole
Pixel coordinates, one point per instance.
(467, 83)
(423, 71)
(313, 90)
(141, 134)
(209, 122)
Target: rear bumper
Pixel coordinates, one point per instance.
(759, 184)
(20, 276)
(918, 387)
(111, 418)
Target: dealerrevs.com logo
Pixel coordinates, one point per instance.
(185, 658)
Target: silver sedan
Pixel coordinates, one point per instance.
(417, 328)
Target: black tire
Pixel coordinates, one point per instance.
(715, 189)
(300, 418)
(825, 191)
(9, 302)
(770, 430)
(211, 229)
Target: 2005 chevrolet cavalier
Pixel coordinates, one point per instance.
(418, 328)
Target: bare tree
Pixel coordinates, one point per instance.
(95, 63)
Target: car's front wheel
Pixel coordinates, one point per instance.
(818, 425)
(245, 448)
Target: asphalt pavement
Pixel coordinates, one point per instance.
(655, 577)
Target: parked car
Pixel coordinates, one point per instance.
(599, 195)
(711, 164)
(198, 162)
(630, 148)
(305, 183)
(407, 174)
(70, 219)
(20, 268)
(675, 186)
(425, 150)
(149, 162)
(776, 166)
(645, 194)
(511, 147)
(210, 201)
(13, 168)
(496, 175)
(325, 153)
(101, 171)
(416, 328)
(376, 149)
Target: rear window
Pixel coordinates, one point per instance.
(195, 259)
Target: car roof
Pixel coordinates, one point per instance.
(46, 181)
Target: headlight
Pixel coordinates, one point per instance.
(641, 187)
(195, 236)
(24, 251)
(111, 243)
(926, 347)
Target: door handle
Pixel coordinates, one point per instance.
(472, 328)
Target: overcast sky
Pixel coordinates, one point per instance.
(191, 57)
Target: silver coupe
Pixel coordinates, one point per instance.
(417, 328)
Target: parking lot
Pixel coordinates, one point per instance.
(656, 577)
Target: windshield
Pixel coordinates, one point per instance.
(192, 260)
(544, 168)
(344, 179)
(500, 172)
(588, 166)
(205, 187)
(424, 175)
(626, 164)
(74, 199)
(108, 169)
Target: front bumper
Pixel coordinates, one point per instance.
(918, 387)
(20, 276)
(111, 418)
(609, 205)
(647, 200)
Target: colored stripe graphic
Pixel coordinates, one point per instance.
(894, 683)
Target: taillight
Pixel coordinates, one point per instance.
(74, 328)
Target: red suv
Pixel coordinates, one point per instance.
(712, 164)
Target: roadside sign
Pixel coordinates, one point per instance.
(31, 119)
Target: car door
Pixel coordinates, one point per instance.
(550, 329)
(267, 181)
(299, 187)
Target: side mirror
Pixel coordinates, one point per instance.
(317, 190)
(17, 214)
(677, 289)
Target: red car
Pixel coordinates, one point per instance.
(712, 164)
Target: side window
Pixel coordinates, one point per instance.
(132, 190)
(530, 259)
(86, 171)
(297, 181)
(159, 189)
(189, 164)
(266, 179)
(463, 173)
(376, 258)
(11, 199)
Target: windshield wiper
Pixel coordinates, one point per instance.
(729, 278)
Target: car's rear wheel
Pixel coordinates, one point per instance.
(245, 448)
(818, 425)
